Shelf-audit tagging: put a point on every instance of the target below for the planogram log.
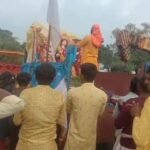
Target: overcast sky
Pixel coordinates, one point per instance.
(76, 16)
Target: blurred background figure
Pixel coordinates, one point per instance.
(7, 82)
(90, 46)
(61, 53)
(23, 81)
(125, 121)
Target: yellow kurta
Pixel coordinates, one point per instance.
(89, 53)
(84, 104)
(44, 109)
(141, 128)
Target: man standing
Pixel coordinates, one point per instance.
(141, 123)
(45, 110)
(84, 104)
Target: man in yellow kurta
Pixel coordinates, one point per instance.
(84, 104)
(91, 45)
(141, 124)
(45, 108)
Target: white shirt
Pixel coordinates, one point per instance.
(130, 95)
(10, 105)
(125, 98)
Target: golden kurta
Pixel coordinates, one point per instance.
(89, 52)
(141, 128)
(84, 104)
(44, 109)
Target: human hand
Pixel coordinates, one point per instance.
(136, 109)
(61, 142)
(120, 102)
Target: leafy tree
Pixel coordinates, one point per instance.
(131, 28)
(146, 28)
(115, 32)
(9, 42)
(138, 57)
(106, 56)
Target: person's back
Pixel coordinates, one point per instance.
(44, 110)
(88, 103)
(40, 115)
(84, 104)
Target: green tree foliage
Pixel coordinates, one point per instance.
(106, 56)
(138, 57)
(9, 42)
(109, 55)
(131, 28)
(146, 28)
(120, 66)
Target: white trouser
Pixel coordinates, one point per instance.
(117, 145)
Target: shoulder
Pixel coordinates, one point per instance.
(57, 93)
(74, 90)
(28, 90)
(147, 102)
(146, 106)
(100, 91)
(88, 37)
(131, 100)
(12, 99)
(101, 94)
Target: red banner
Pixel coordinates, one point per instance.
(15, 69)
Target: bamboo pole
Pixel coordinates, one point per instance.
(34, 42)
(49, 39)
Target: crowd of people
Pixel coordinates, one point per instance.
(40, 117)
(88, 118)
